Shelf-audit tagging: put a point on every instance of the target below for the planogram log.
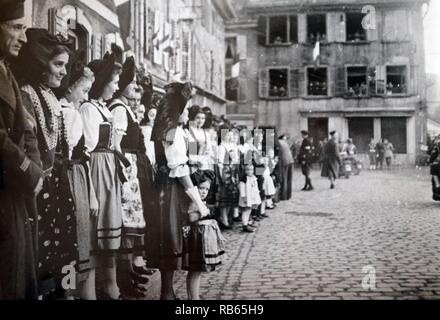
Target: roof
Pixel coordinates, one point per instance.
(312, 3)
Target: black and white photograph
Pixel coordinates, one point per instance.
(219, 150)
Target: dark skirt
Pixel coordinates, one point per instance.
(204, 246)
(228, 192)
(164, 221)
(57, 235)
(79, 184)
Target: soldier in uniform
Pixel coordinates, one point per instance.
(304, 159)
(20, 167)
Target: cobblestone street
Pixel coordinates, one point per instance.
(316, 245)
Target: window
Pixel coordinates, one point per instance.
(278, 82)
(317, 81)
(355, 31)
(316, 28)
(282, 30)
(357, 81)
(232, 89)
(396, 80)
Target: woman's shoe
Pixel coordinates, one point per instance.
(139, 278)
(332, 186)
(263, 216)
(143, 270)
(248, 229)
(223, 226)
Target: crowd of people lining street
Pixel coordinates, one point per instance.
(98, 171)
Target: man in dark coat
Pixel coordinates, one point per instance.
(331, 160)
(286, 168)
(305, 158)
(20, 171)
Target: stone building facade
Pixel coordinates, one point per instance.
(179, 40)
(352, 66)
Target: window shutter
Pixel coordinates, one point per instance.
(242, 46)
(262, 30)
(372, 34)
(380, 80)
(294, 83)
(263, 83)
(97, 46)
(340, 27)
(340, 85)
(302, 28)
(242, 89)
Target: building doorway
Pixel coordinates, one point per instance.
(361, 130)
(318, 132)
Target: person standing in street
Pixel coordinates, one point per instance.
(372, 154)
(304, 159)
(389, 149)
(331, 160)
(20, 168)
(286, 166)
(380, 154)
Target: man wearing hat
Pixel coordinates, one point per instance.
(304, 158)
(20, 171)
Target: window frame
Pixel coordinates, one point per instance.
(366, 40)
(288, 29)
(326, 26)
(307, 81)
(407, 79)
(287, 97)
(347, 66)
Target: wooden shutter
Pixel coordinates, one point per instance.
(263, 83)
(381, 80)
(293, 32)
(97, 46)
(294, 83)
(262, 30)
(340, 82)
(340, 27)
(302, 28)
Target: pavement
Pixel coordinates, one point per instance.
(376, 236)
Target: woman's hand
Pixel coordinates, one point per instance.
(94, 206)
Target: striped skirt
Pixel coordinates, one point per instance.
(204, 246)
(80, 191)
(107, 227)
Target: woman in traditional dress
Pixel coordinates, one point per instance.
(41, 66)
(78, 84)
(129, 142)
(99, 141)
(164, 227)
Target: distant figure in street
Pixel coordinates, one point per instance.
(304, 159)
(286, 166)
(389, 149)
(434, 161)
(331, 160)
(372, 154)
(380, 154)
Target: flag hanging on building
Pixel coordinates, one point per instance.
(316, 50)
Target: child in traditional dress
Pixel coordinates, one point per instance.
(268, 184)
(204, 243)
(250, 198)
